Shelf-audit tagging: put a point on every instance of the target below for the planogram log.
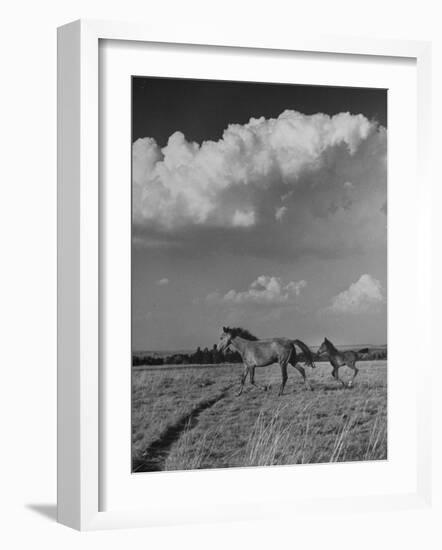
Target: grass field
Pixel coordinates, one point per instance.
(186, 417)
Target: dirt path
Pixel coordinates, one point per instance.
(156, 454)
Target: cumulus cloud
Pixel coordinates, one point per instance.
(280, 213)
(281, 187)
(363, 296)
(162, 282)
(243, 219)
(221, 183)
(265, 290)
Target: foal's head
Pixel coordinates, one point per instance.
(324, 347)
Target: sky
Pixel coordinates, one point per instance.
(257, 205)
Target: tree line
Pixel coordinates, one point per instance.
(213, 356)
(204, 356)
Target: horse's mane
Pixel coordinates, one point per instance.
(241, 332)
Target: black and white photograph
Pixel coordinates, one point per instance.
(259, 274)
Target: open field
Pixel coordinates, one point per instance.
(189, 417)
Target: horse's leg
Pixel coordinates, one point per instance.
(301, 370)
(243, 379)
(252, 380)
(284, 377)
(352, 366)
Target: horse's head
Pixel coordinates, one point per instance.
(323, 348)
(225, 339)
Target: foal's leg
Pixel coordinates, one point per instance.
(335, 373)
(352, 366)
(252, 380)
(243, 379)
(284, 377)
(301, 370)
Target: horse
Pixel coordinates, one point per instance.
(261, 353)
(339, 359)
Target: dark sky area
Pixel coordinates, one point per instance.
(202, 109)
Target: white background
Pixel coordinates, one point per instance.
(28, 249)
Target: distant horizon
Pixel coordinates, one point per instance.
(185, 350)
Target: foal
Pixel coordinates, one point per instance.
(339, 359)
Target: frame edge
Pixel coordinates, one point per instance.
(68, 275)
(77, 424)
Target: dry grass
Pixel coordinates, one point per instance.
(331, 424)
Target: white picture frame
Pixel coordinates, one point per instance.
(79, 267)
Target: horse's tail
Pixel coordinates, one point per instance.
(308, 355)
